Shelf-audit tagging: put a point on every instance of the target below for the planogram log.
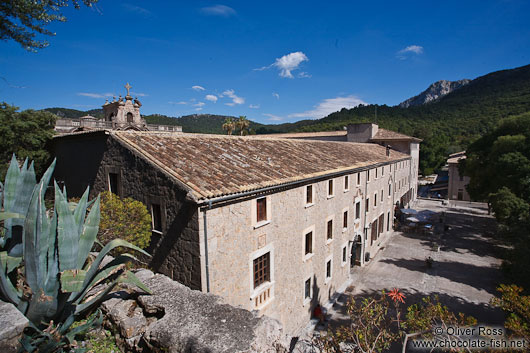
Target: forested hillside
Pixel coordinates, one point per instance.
(446, 125)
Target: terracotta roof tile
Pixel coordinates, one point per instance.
(216, 165)
(384, 134)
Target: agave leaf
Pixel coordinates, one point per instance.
(81, 308)
(30, 247)
(72, 280)
(7, 289)
(10, 184)
(80, 211)
(41, 306)
(67, 236)
(93, 321)
(129, 277)
(8, 215)
(67, 323)
(110, 246)
(103, 274)
(88, 234)
(9, 263)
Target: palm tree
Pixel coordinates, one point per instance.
(242, 124)
(229, 126)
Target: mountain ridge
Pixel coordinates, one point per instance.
(434, 92)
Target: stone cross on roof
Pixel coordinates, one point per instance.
(128, 87)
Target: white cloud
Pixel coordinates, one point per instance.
(198, 88)
(199, 104)
(230, 93)
(95, 95)
(218, 10)
(304, 75)
(411, 49)
(139, 94)
(276, 95)
(273, 117)
(328, 106)
(198, 109)
(254, 106)
(211, 98)
(181, 102)
(288, 63)
(137, 9)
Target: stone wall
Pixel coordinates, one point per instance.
(88, 159)
(12, 324)
(235, 239)
(177, 319)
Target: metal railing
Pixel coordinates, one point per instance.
(67, 124)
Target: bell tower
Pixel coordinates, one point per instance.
(124, 113)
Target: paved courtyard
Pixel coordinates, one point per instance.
(464, 274)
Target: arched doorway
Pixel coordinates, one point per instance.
(356, 251)
(130, 118)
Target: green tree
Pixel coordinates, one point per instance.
(22, 20)
(125, 219)
(25, 134)
(229, 125)
(242, 124)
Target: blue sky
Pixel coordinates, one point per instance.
(274, 61)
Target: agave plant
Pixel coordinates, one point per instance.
(15, 195)
(58, 273)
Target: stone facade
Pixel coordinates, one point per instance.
(456, 189)
(235, 239)
(175, 254)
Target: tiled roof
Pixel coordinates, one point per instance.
(216, 165)
(384, 134)
(304, 134)
(455, 157)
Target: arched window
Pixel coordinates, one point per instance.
(129, 117)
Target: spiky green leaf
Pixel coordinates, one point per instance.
(72, 280)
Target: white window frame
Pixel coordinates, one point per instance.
(330, 260)
(254, 211)
(345, 209)
(358, 179)
(330, 218)
(254, 292)
(306, 257)
(357, 216)
(306, 205)
(347, 183)
(308, 299)
(329, 196)
(343, 262)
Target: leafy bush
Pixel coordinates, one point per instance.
(125, 219)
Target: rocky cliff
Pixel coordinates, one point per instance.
(435, 91)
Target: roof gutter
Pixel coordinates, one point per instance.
(208, 203)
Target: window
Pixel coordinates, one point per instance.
(330, 230)
(382, 193)
(389, 189)
(382, 170)
(344, 254)
(330, 187)
(261, 209)
(309, 195)
(114, 183)
(388, 221)
(358, 178)
(376, 169)
(261, 269)
(358, 210)
(328, 269)
(375, 199)
(390, 168)
(307, 289)
(130, 117)
(309, 243)
(368, 175)
(367, 208)
(345, 220)
(346, 183)
(156, 217)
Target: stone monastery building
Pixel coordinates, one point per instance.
(273, 224)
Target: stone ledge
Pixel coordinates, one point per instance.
(12, 324)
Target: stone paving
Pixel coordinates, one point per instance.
(464, 274)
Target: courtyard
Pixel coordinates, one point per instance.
(464, 273)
